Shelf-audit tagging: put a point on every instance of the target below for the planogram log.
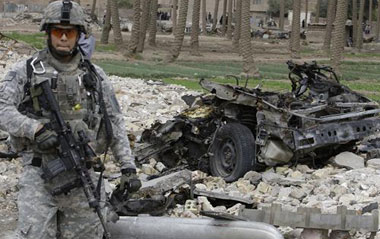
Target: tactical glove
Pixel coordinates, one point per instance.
(46, 139)
(129, 180)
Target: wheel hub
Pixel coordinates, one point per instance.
(228, 156)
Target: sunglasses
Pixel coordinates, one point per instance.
(70, 33)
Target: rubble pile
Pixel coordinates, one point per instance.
(26, 17)
(145, 102)
(6, 22)
(9, 175)
(300, 186)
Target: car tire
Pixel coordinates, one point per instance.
(232, 152)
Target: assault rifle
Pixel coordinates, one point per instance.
(73, 155)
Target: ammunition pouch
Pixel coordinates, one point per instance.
(57, 166)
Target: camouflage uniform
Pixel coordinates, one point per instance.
(42, 215)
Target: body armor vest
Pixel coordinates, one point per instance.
(78, 102)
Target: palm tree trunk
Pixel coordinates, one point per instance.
(249, 66)
(317, 13)
(153, 23)
(359, 37)
(370, 14)
(93, 7)
(229, 28)
(136, 27)
(144, 24)
(224, 21)
(339, 35)
(295, 35)
(215, 16)
(179, 33)
(107, 25)
(306, 11)
(331, 8)
(236, 39)
(174, 14)
(354, 21)
(204, 17)
(195, 28)
(116, 24)
(282, 12)
(378, 22)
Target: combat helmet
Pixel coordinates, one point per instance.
(63, 12)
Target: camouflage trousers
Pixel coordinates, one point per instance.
(44, 216)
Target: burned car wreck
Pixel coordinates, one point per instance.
(236, 129)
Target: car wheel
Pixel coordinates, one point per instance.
(232, 152)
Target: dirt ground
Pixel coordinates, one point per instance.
(212, 48)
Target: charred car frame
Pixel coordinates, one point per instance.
(236, 129)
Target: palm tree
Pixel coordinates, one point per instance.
(229, 27)
(306, 11)
(295, 36)
(93, 16)
(136, 27)
(339, 35)
(359, 37)
(224, 21)
(194, 43)
(236, 38)
(282, 12)
(174, 14)
(370, 13)
(107, 25)
(179, 31)
(317, 12)
(378, 22)
(215, 16)
(354, 21)
(116, 24)
(249, 66)
(153, 23)
(204, 17)
(329, 25)
(143, 24)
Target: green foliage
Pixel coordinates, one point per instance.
(36, 40)
(274, 7)
(105, 47)
(359, 76)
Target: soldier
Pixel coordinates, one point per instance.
(87, 103)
